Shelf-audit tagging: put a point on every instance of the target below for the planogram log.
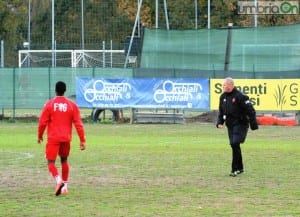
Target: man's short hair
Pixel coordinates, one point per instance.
(229, 80)
(60, 87)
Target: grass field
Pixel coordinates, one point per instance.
(153, 170)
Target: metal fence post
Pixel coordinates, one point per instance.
(228, 47)
(2, 54)
(14, 94)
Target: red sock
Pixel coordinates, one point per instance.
(52, 169)
(65, 171)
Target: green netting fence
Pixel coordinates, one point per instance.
(252, 49)
(29, 88)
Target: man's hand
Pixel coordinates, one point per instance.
(253, 124)
(82, 146)
(219, 126)
(40, 140)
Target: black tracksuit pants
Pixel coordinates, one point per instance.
(237, 135)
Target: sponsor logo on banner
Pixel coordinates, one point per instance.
(107, 91)
(178, 92)
(264, 94)
(142, 93)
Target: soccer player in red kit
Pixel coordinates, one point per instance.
(58, 116)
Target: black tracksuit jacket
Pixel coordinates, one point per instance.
(235, 109)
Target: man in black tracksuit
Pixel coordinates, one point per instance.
(237, 112)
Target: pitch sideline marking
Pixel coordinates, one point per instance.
(19, 155)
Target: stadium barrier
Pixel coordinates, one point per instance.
(154, 116)
(283, 119)
(30, 88)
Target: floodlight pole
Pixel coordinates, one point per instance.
(133, 31)
(2, 54)
(156, 14)
(53, 39)
(255, 15)
(82, 33)
(166, 14)
(208, 14)
(137, 20)
(196, 14)
(28, 33)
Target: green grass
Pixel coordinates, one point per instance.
(153, 170)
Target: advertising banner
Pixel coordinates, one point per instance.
(265, 94)
(143, 93)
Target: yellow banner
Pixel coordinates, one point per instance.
(265, 94)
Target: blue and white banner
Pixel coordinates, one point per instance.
(143, 93)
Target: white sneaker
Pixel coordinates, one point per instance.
(239, 171)
(64, 190)
(58, 188)
(233, 174)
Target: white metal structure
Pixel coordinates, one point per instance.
(73, 58)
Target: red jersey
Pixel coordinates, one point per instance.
(58, 115)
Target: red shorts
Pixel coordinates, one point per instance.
(53, 149)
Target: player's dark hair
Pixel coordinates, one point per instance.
(60, 88)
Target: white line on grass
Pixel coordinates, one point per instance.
(14, 155)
